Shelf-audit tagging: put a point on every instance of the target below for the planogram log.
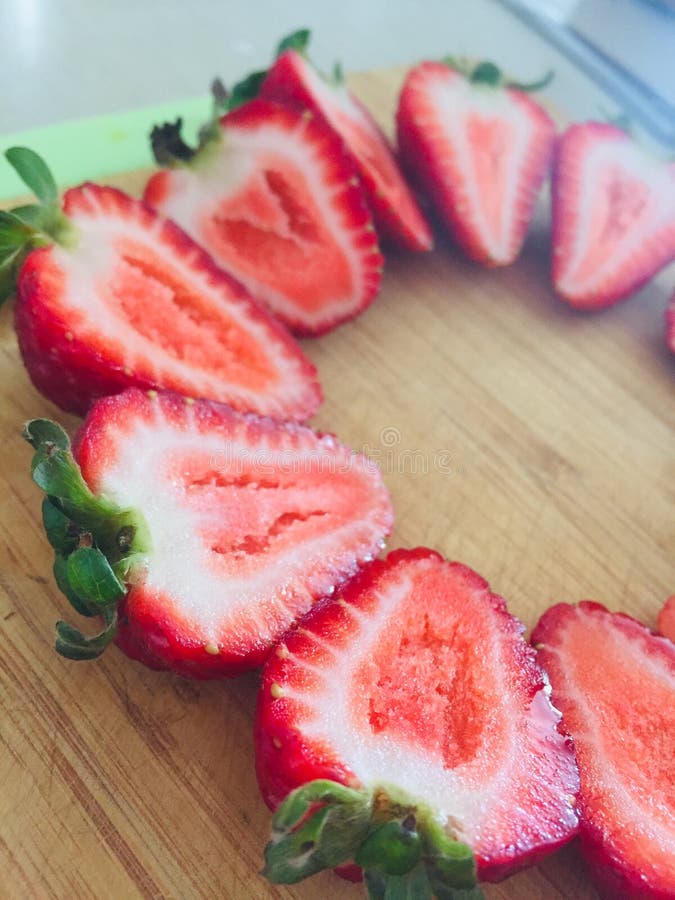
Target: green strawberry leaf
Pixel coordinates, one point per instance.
(98, 545)
(243, 91)
(61, 578)
(41, 431)
(393, 849)
(34, 173)
(532, 86)
(34, 216)
(61, 533)
(168, 146)
(14, 233)
(487, 73)
(450, 864)
(8, 267)
(319, 826)
(403, 849)
(72, 644)
(297, 40)
(412, 886)
(92, 578)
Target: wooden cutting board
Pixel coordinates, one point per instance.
(530, 442)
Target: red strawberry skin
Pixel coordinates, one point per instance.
(158, 314)
(445, 124)
(613, 215)
(614, 682)
(394, 666)
(670, 325)
(397, 215)
(666, 620)
(277, 202)
(251, 521)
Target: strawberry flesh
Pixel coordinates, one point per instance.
(479, 152)
(666, 620)
(274, 201)
(250, 522)
(137, 302)
(293, 79)
(613, 215)
(670, 325)
(614, 681)
(418, 676)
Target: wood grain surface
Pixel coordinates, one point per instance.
(533, 443)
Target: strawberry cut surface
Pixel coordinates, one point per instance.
(417, 676)
(670, 325)
(614, 681)
(479, 152)
(137, 302)
(274, 201)
(293, 79)
(250, 521)
(613, 215)
(666, 620)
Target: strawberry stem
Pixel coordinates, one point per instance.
(397, 841)
(97, 544)
(25, 228)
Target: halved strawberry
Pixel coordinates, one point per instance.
(415, 689)
(666, 620)
(292, 78)
(273, 197)
(200, 533)
(480, 148)
(613, 215)
(614, 681)
(670, 325)
(109, 295)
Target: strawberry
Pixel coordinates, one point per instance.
(666, 620)
(412, 708)
(272, 196)
(199, 533)
(293, 79)
(614, 681)
(480, 148)
(670, 325)
(613, 215)
(109, 295)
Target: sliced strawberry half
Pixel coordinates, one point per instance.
(109, 294)
(273, 197)
(480, 149)
(416, 685)
(613, 215)
(293, 79)
(670, 325)
(614, 681)
(214, 529)
(666, 620)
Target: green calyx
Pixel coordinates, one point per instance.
(404, 851)
(490, 75)
(25, 228)
(170, 149)
(97, 545)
